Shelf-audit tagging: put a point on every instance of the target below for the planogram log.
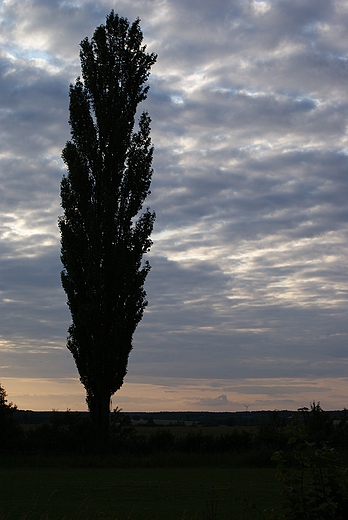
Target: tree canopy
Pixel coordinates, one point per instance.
(104, 233)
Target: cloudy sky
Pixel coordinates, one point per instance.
(248, 288)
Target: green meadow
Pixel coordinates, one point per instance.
(280, 469)
(170, 493)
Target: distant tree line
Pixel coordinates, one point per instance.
(71, 432)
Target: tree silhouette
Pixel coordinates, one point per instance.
(3, 399)
(11, 433)
(104, 235)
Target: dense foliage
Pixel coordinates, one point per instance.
(71, 432)
(104, 235)
(314, 476)
(11, 434)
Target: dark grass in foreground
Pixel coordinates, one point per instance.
(50, 472)
(135, 493)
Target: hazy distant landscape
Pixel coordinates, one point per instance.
(159, 419)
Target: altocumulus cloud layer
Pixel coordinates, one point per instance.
(248, 290)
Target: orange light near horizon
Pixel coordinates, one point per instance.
(167, 394)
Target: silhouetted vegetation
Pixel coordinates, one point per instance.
(11, 434)
(307, 446)
(104, 235)
(71, 432)
(314, 476)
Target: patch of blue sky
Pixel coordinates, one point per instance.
(304, 100)
(70, 3)
(19, 52)
(307, 102)
(313, 28)
(37, 53)
(226, 90)
(259, 149)
(177, 100)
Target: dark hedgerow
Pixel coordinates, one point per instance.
(61, 433)
(315, 480)
(11, 434)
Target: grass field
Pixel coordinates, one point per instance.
(181, 431)
(173, 472)
(135, 493)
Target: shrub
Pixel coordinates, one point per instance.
(11, 434)
(318, 424)
(62, 433)
(121, 432)
(272, 433)
(316, 487)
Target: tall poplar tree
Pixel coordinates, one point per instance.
(104, 232)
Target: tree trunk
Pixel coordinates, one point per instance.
(100, 412)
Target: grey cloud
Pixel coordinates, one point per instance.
(216, 402)
(32, 299)
(249, 117)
